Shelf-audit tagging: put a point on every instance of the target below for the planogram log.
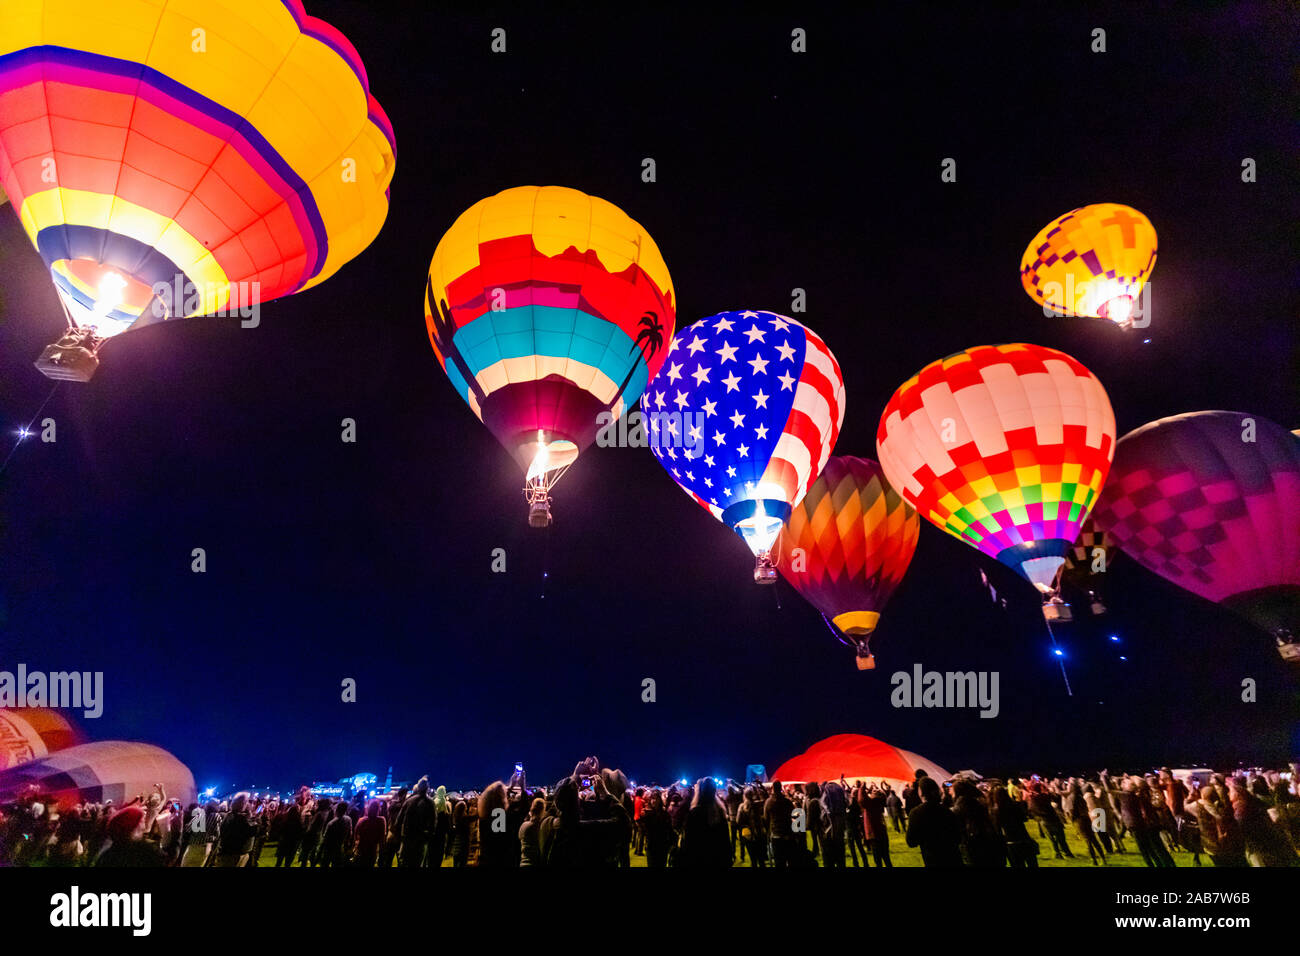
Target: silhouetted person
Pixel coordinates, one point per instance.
(416, 825)
(934, 828)
(127, 846)
(706, 836)
(780, 827)
(371, 831)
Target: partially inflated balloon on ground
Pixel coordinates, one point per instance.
(549, 310)
(1092, 261)
(184, 158)
(1211, 501)
(743, 415)
(29, 733)
(858, 759)
(847, 545)
(1005, 447)
(115, 770)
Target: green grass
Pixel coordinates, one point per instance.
(903, 855)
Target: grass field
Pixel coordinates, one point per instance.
(903, 855)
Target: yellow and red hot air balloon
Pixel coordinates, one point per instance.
(549, 310)
(847, 545)
(1005, 447)
(1093, 261)
(184, 158)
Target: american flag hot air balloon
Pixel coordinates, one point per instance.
(743, 415)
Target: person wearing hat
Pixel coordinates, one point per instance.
(126, 843)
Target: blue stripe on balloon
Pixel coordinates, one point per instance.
(558, 333)
(127, 255)
(86, 301)
(240, 125)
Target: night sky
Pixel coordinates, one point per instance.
(775, 170)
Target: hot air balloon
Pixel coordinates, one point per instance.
(1088, 560)
(184, 158)
(858, 759)
(1005, 447)
(846, 547)
(1211, 501)
(743, 415)
(30, 733)
(548, 310)
(115, 770)
(1092, 261)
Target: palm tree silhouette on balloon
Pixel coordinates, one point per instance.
(443, 331)
(651, 335)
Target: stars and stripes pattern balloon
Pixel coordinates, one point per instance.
(743, 415)
(187, 157)
(1211, 501)
(1092, 261)
(847, 545)
(1005, 447)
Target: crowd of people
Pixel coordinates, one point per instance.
(595, 818)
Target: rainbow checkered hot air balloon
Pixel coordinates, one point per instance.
(1005, 447)
(743, 415)
(1093, 261)
(184, 157)
(847, 545)
(549, 310)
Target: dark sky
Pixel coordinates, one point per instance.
(775, 171)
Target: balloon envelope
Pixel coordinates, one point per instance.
(1004, 447)
(1211, 501)
(115, 770)
(743, 415)
(847, 544)
(546, 308)
(30, 733)
(1087, 563)
(1092, 261)
(857, 758)
(181, 158)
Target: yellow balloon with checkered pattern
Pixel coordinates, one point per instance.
(1093, 261)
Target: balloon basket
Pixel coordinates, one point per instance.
(1057, 611)
(764, 570)
(866, 660)
(539, 514)
(72, 358)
